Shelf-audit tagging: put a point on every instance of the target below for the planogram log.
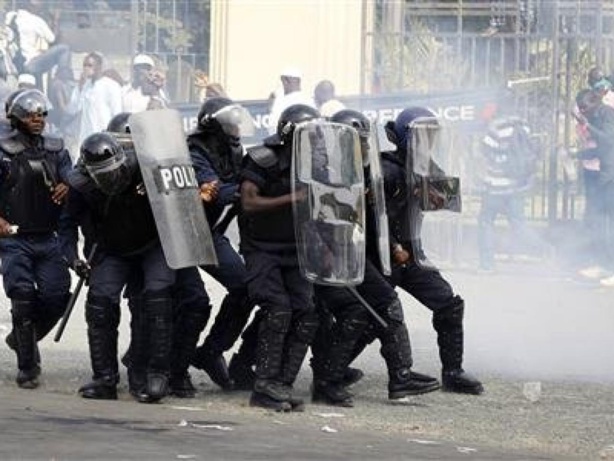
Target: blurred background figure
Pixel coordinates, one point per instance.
(290, 95)
(509, 165)
(325, 99)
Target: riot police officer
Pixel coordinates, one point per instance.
(191, 311)
(427, 285)
(107, 199)
(33, 173)
(338, 341)
(217, 153)
(274, 280)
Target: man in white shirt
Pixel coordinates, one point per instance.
(134, 99)
(291, 82)
(35, 40)
(97, 99)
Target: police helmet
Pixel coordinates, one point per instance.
(119, 123)
(354, 119)
(291, 117)
(27, 103)
(10, 99)
(402, 131)
(106, 162)
(210, 107)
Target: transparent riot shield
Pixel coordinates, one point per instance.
(172, 189)
(377, 198)
(330, 221)
(431, 190)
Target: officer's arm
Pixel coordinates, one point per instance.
(68, 226)
(205, 173)
(253, 202)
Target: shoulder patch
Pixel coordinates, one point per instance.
(53, 144)
(264, 157)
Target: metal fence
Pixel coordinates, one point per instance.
(539, 50)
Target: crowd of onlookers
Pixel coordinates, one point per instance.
(80, 104)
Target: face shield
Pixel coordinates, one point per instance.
(111, 175)
(425, 143)
(235, 121)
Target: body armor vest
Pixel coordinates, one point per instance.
(275, 226)
(29, 175)
(123, 224)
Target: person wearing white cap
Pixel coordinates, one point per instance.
(134, 99)
(26, 81)
(292, 94)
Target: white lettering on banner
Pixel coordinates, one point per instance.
(176, 177)
(450, 113)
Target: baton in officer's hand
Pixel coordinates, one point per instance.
(74, 296)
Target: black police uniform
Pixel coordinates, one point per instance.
(124, 228)
(274, 280)
(427, 286)
(218, 158)
(35, 276)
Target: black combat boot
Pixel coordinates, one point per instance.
(214, 364)
(448, 324)
(331, 393)
(461, 382)
(102, 318)
(396, 350)
(270, 394)
(330, 362)
(401, 384)
(24, 338)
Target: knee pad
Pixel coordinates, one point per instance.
(305, 327)
(101, 313)
(452, 312)
(278, 321)
(23, 307)
(394, 313)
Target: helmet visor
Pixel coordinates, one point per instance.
(111, 175)
(426, 143)
(235, 120)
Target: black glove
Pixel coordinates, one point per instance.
(81, 268)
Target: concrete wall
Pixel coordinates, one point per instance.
(253, 40)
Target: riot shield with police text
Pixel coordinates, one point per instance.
(330, 220)
(430, 189)
(172, 189)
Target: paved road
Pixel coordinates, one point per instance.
(526, 323)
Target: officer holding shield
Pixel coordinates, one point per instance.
(217, 154)
(412, 186)
(191, 311)
(33, 172)
(108, 200)
(338, 342)
(274, 280)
